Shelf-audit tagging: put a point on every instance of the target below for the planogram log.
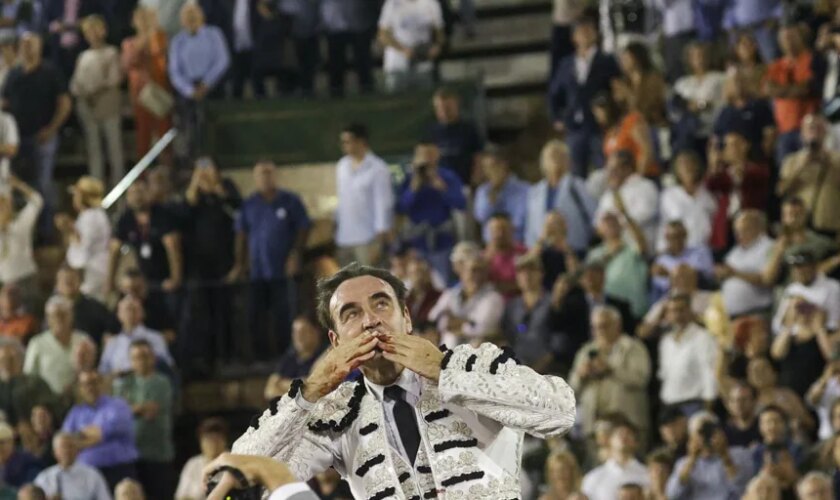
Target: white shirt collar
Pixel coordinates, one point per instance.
(408, 381)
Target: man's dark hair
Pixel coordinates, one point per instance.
(771, 408)
(500, 214)
(326, 287)
(446, 93)
(213, 425)
(589, 17)
(357, 130)
(141, 343)
(793, 200)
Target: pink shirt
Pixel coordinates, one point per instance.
(503, 267)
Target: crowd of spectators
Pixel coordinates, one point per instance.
(676, 259)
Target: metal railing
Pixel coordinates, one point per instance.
(139, 168)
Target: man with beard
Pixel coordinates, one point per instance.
(420, 421)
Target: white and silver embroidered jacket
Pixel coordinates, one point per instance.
(471, 424)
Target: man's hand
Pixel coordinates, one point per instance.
(659, 270)
(415, 353)
(293, 264)
(45, 134)
(234, 275)
(264, 471)
(437, 182)
(331, 370)
(91, 436)
(200, 92)
(723, 272)
(171, 284)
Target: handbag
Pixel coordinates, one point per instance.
(156, 99)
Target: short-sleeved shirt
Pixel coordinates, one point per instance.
(272, 227)
(458, 143)
(153, 436)
(51, 360)
(32, 97)
(147, 241)
(412, 23)
(789, 111)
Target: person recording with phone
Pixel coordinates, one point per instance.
(777, 455)
(710, 469)
(813, 174)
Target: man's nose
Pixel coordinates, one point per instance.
(370, 320)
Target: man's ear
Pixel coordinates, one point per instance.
(408, 326)
(333, 338)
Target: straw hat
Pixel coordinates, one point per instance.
(91, 189)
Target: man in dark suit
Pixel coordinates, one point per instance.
(574, 300)
(65, 38)
(580, 77)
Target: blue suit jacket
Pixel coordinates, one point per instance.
(569, 101)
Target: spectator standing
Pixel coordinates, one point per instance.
(209, 241)
(688, 201)
(812, 174)
(746, 59)
(701, 92)
(167, 11)
(96, 86)
(70, 478)
(15, 321)
(741, 426)
(307, 347)
(683, 279)
(457, 138)
(642, 90)
(610, 375)
(87, 238)
(116, 356)
(103, 426)
(49, 354)
(710, 470)
(503, 192)
(624, 263)
(759, 17)
(429, 197)
(677, 253)
(349, 24)
(823, 395)
(19, 467)
(638, 194)
(19, 392)
(37, 97)
(9, 133)
(198, 60)
(412, 33)
(747, 113)
(153, 233)
(789, 82)
(150, 396)
(622, 467)
(272, 229)
(301, 19)
(762, 376)
(743, 288)
(578, 79)
(144, 62)
(472, 310)
(530, 323)
(687, 357)
(364, 216)
(8, 56)
(89, 315)
(625, 129)
(559, 191)
(556, 254)
(501, 254)
(777, 455)
(213, 440)
(678, 32)
(63, 22)
(17, 263)
(564, 15)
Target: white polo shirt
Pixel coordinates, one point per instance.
(412, 23)
(740, 296)
(604, 481)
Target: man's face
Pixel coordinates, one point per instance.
(529, 278)
(264, 180)
(814, 490)
(67, 283)
(192, 18)
(447, 109)
(609, 227)
(130, 312)
(740, 402)
(495, 169)
(65, 451)
(604, 329)
(350, 144)
(684, 279)
(31, 48)
(137, 196)
(10, 363)
(623, 440)
(212, 444)
(789, 41)
(746, 229)
(674, 433)
(89, 387)
(500, 231)
(305, 337)
(592, 280)
(617, 172)
(367, 303)
(678, 312)
(133, 285)
(687, 171)
(59, 319)
(584, 36)
(794, 215)
(473, 273)
(426, 154)
(735, 148)
(771, 425)
(804, 273)
(675, 239)
(813, 130)
(142, 359)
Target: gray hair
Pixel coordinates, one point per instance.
(814, 475)
(608, 310)
(58, 302)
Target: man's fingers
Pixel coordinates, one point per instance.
(360, 360)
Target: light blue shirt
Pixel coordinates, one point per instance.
(698, 258)
(512, 200)
(79, 481)
(708, 479)
(677, 16)
(200, 58)
(115, 357)
(745, 13)
(365, 200)
(577, 211)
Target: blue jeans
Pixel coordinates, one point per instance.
(586, 149)
(34, 165)
(787, 143)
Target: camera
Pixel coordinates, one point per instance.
(242, 493)
(422, 171)
(707, 432)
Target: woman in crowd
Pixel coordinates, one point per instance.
(36, 436)
(96, 87)
(625, 130)
(17, 260)
(87, 237)
(144, 60)
(763, 378)
(562, 476)
(213, 440)
(747, 60)
(701, 93)
(688, 201)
